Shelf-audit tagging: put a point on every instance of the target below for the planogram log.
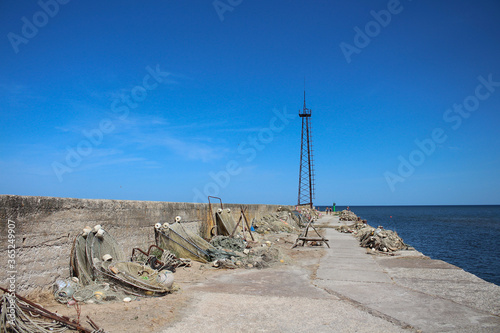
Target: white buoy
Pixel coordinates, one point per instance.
(157, 226)
(107, 257)
(87, 230)
(178, 219)
(100, 233)
(166, 278)
(166, 225)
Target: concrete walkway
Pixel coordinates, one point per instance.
(409, 290)
(348, 290)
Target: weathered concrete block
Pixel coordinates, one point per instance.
(45, 227)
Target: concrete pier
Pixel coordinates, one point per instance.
(345, 290)
(410, 290)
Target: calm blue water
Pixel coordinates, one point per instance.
(465, 236)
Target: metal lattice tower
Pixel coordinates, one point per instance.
(306, 174)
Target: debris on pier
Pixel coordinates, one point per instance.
(308, 214)
(347, 215)
(281, 221)
(18, 314)
(229, 243)
(380, 239)
(101, 272)
(377, 239)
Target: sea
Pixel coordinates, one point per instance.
(465, 236)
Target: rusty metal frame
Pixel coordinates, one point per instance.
(145, 253)
(212, 217)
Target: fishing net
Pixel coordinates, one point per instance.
(374, 238)
(105, 245)
(228, 243)
(352, 228)
(103, 274)
(182, 242)
(80, 266)
(186, 244)
(141, 276)
(259, 257)
(308, 213)
(95, 292)
(225, 222)
(297, 217)
(380, 239)
(347, 215)
(276, 222)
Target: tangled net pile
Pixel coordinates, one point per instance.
(375, 238)
(282, 221)
(230, 244)
(186, 244)
(263, 257)
(347, 215)
(101, 272)
(380, 239)
(258, 257)
(68, 291)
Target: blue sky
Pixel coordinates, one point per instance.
(176, 100)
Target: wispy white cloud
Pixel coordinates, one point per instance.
(186, 140)
(111, 161)
(136, 133)
(194, 150)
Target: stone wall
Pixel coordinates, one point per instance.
(45, 228)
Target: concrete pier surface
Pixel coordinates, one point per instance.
(344, 290)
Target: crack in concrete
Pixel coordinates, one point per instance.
(51, 242)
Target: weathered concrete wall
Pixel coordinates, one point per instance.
(45, 228)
